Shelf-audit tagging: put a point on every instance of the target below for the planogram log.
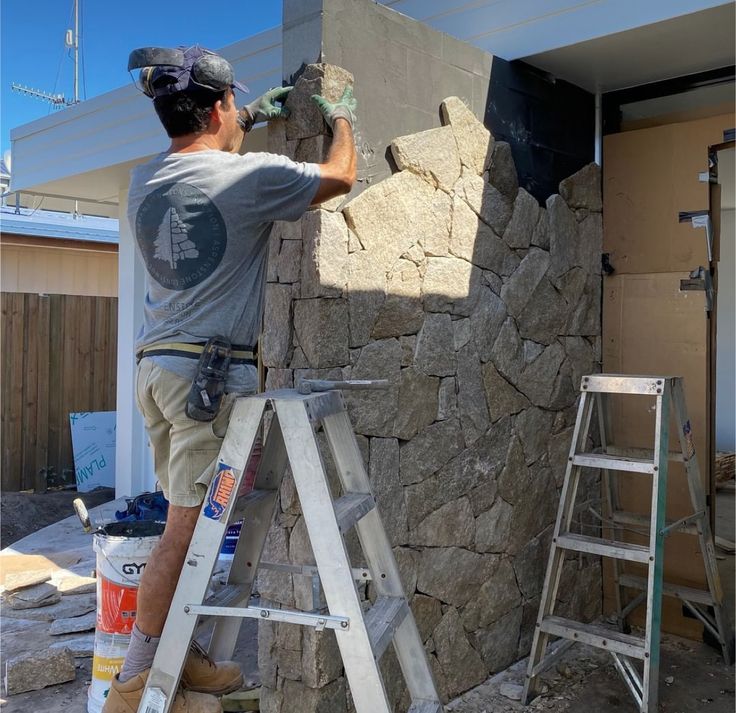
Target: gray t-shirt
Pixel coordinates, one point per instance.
(201, 221)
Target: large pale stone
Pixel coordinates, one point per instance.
(386, 485)
(366, 295)
(518, 289)
(486, 200)
(502, 172)
(543, 318)
(429, 450)
(497, 643)
(38, 595)
(407, 560)
(18, 580)
(373, 412)
(502, 398)
(79, 647)
(476, 242)
(451, 285)
(417, 403)
(538, 378)
(321, 327)
(320, 660)
(276, 343)
(435, 351)
(591, 243)
(498, 595)
(581, 356)
(305, 119)
(534, 427)
(34, 671)
(471, 396)
(486, 321)
(392, 215)
(272, 585)
(518, 233)
(474, 142)
(585, 317)
(325, 253)
(563, 237)
(453, 575)
(515, 479)
(530, 564)
(436, 242)
(447, 399)
(583, 189)
(401, 312)
(328, 699)
(460, 663)
(493, 526)
(288, 267)
(540, 236)
(450, 525)
(535, 510)
(431, 154)
(469, 469)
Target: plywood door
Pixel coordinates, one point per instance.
(649, 325)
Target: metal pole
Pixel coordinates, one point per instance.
(598, 128)
(76, 51)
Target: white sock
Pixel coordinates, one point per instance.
(139, 658)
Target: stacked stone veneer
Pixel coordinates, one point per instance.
(482, 310)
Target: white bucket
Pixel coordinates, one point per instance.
(123, 549)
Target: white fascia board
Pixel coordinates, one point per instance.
(121, 126)
(513, 29)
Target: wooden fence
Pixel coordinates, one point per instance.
(58, 355)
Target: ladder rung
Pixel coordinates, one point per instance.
(623, 517)
(605, 548)
(624, 384)
(643, 453)
(700, 596)
(425, 707)
(351, 508)
(382, 620)
(594, 635)
(249, 501)
(609, 462)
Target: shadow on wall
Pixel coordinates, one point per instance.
(482, 309)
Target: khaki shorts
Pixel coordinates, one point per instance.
(184, 450)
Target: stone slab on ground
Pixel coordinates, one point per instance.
(21, 580)
(31, 672)
(73, 624)
(71, 606)
(39, 595)
(80, 647)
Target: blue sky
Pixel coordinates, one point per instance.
(33, 53)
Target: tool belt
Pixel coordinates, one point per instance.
(239, 354)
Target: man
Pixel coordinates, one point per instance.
(201, 214)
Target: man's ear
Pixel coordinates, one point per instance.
(216, 115)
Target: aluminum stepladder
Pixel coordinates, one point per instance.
(362, 637)
(624, 647)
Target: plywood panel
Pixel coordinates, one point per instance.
(650, 176)
(653, 328)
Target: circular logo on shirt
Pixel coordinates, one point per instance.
(181, 234)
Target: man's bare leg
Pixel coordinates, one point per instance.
(156, 589)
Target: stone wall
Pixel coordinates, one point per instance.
(482, 309)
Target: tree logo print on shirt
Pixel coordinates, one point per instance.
(173, 243)
(181, 235)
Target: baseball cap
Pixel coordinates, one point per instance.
(167, 71)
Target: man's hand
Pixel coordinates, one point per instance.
(343, 109)
(265, 108)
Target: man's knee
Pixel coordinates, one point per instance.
(180, 524)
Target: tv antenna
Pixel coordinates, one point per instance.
(58, 101)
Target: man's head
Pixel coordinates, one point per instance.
(192, 92)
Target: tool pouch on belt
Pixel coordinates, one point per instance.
(208, 386)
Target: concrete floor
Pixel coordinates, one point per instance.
(584, 680)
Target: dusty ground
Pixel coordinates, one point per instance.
(24, 513)
(584, 681)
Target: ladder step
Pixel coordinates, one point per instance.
(609, 462)
(700, 596)
(605, 548)
(594, 635)
(250, 501)
(425, 707)
(382, 620)
(624, 384)
(351, 508)
(623, 517)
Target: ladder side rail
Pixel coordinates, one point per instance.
(705, 536)
(249, 548)
(379, 555)
(202, 554)
(556, 558)
(610, 499)
(650, 679)
(364, 678)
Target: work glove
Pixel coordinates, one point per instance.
(342, 109)
(265, 108)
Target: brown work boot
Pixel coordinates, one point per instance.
(126, 697)
(204, 675)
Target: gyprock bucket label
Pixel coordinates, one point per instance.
(116, 613)
(220, 492)
(104, 668)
